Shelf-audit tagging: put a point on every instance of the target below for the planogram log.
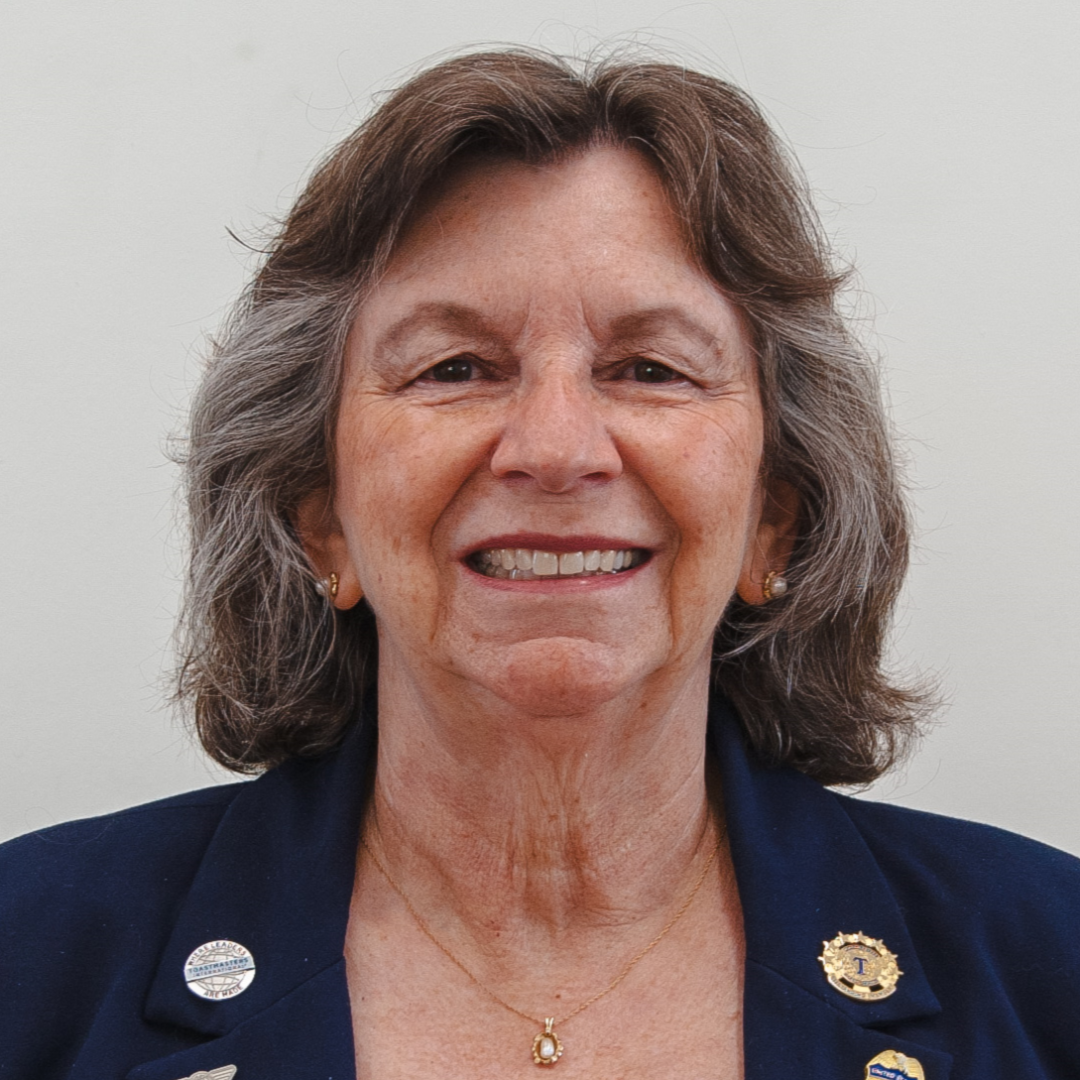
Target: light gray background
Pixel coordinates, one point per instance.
(941, 139)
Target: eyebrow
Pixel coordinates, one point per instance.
(663, 320)
(433, 315)
(456, 318)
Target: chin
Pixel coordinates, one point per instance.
(564, 676)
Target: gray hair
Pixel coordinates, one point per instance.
(273, 671)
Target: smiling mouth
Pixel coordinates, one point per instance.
(532, 564)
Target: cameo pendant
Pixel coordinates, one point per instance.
(546, 1046)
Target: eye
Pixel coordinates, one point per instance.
(456, 369)
(651, 371)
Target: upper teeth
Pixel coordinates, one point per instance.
(525, 563)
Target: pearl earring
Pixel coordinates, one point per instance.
(328, 587)
(774, 586)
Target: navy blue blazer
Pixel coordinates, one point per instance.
(98, 917)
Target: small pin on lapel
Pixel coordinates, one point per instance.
(860, 967)
(226, 1072)
(219, 970)
(892, 1065)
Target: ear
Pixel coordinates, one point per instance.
(770, 550)
(324, 542)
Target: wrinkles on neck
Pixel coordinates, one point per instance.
(517, 834)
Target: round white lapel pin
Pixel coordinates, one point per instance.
(219, 970)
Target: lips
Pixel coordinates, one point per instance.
(534, 564)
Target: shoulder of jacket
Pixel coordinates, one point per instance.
(992, 916)
(977, 870)
(85, 909)
(925, 831)
(146, 846)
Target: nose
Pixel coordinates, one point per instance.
(556, 433)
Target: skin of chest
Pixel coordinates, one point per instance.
(678, 1015)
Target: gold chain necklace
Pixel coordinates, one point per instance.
(547, 1048)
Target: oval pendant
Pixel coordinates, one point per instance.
(546, 1048)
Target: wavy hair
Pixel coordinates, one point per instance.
(273, 671)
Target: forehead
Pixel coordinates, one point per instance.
(561, 207)
(592, 239)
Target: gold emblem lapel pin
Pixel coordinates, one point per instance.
(892, 1065)
(860, 967)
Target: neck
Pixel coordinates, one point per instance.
(511, 831)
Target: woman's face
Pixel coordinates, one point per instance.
(542, 387)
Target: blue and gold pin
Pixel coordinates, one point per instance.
(892, 1065)
(860, 966)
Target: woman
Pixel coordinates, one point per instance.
(538, 450)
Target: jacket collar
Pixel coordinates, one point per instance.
(278, 874)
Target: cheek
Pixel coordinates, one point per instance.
(705, 472)
(397, 471)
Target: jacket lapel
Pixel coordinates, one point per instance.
(790, 1034)
(804, 875)
(276, 878)
(306, 1034)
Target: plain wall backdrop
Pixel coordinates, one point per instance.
(941, 140)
